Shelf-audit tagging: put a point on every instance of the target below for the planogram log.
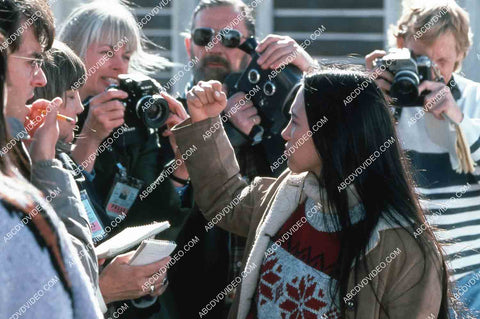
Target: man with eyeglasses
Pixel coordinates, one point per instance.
(24, 74)
(213, 40)
(29, 28)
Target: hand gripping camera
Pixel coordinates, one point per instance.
(275, 91)
(144, 106)
(409, 71)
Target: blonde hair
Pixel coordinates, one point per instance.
(110, 21)
(427, 20)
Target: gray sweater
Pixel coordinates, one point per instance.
(30, 285)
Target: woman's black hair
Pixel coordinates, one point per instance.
(355, 130)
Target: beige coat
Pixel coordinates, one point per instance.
(258, 210)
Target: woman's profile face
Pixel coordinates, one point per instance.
(104, 62)
(71, 107)
(301, 152)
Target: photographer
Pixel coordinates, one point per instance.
(216, 62)
(106, 36)
(441, 32)
(46, 173)
(109, 41)
(118, 280)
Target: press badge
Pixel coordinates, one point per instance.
(98, 231)
(123, 193)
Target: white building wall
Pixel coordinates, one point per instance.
(182, 10)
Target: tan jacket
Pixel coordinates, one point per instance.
(258, 211)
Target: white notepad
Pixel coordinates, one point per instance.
(152, 250)
(128, 238)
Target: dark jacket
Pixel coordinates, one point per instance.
(140, 153)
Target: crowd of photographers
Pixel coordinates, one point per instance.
(88, 148)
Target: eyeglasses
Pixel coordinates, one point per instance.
(230, 38)
(36, 63)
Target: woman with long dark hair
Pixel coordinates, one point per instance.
(339, 234)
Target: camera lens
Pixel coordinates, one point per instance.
(152, 110)
(405, 86)
(253, 76)
(269, 88)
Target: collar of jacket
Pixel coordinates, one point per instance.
(291, 192)
(453, 85)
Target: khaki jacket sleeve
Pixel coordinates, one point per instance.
(223, 196)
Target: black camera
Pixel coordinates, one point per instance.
(409, 71)
(274, 91)
(144, 106)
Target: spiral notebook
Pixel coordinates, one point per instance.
(152, 250)
(129, 238)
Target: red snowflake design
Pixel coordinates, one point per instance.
(332, 314)
(270, 276)
(300, 300)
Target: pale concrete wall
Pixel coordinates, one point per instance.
(182, 10)
(471, 65)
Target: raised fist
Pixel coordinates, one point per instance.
(206, 99)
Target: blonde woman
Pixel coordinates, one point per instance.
(105, 35)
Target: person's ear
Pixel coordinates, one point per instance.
(188, 46)
(400, 42)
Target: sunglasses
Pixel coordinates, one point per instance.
(230, 38)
